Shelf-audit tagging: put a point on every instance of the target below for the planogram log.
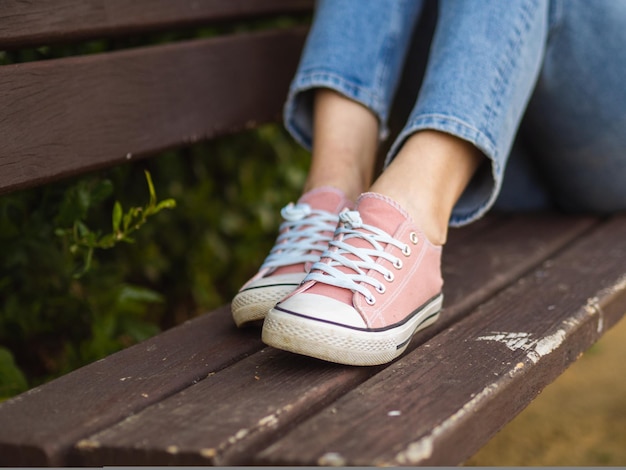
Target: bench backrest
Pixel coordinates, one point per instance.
(69, 115)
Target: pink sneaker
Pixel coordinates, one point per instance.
(377, 284)
(304, 235)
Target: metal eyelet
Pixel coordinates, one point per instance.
(389, 277)
(397, 263)
(381, 288)
(413, 237)
(406, 251)
(370, 300)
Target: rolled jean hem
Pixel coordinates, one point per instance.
(298, 121)
(461, 215)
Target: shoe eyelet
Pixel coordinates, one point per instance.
(381, 288)
(397, 263)
(406, 251)
(413, 237)
(389, 277)
(370, 300)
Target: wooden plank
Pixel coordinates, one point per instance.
(244, 414)
(52, 21)
(439, 404)
(66, 116)
(480, 264)
(38, 427)
(224, 419)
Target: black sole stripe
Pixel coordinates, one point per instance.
(366, 330)
(408, 340)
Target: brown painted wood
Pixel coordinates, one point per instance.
(39, 426)
(225, 418)
(440, 403)
(66, 116)
(51, 21)
(243, 414)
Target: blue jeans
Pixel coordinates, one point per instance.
(537, 85)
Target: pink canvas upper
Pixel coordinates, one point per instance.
(415, 283)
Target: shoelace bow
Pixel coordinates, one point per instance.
(362, 261)
(304, 235)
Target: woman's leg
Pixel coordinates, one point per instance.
(380, 280)
(575, 126)
(482, 69)
(340, 98)
(346, 79)
(345, 141)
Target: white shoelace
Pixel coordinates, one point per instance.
(304, 236)
(335, 257)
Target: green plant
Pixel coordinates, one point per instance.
(60, 307)
(83, 241)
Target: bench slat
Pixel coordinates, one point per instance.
(38, 427)
(66, 116)
(441, 403)
(224, 419)
(52, 21)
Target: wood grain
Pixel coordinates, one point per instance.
(68, 116)
(440, 403)
(218, 421)
(25, 23)
(39, 426)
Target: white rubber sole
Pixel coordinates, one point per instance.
(253, 304)
(345, 345)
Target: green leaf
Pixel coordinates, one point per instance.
(117, 216)
(165, 204)
(153, 197)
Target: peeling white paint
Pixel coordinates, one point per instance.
(547, 345)
(513, 341)
(592, 307)
(332, 459)
(422, 449)
(87, 444)
(269, 420)
(535, 348)
(208, 453)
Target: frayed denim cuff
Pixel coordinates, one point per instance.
(298, 109)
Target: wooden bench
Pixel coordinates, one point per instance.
(525, 295)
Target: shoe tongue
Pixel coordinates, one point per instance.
(381, 211)
(326, 199)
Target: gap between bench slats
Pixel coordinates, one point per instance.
(45, 22)
(231, 415)
(441, 403)
(66, 116)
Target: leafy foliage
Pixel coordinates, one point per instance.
(79, 279)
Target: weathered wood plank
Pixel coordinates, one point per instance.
(39, 426)
(51, 21)
(225, 419)
(65, 116)
(440, 403)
